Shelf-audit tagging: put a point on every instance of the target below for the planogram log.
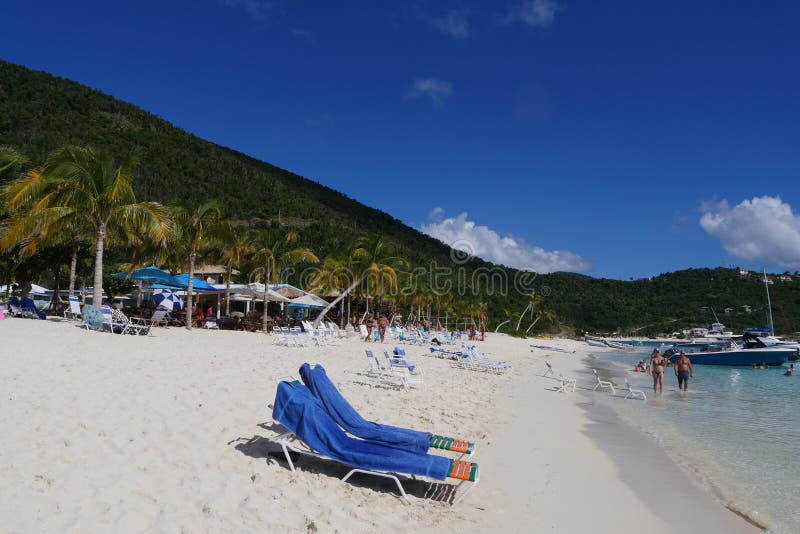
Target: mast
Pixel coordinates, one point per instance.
(769, 303)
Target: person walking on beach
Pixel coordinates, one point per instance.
(657, 363)
(383, 322)
(683, 370)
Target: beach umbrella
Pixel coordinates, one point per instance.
(309, 300)
(167, 299)
(256, 289)
(198, 286)
(150, 274)
(288, 291)
(93, 317)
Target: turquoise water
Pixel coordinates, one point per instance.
(738, 429)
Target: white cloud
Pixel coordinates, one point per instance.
(257, 9)
(764, 229)
(463, 234)
(436, 214)
(455, 23)
(436, 90)
(533, 13)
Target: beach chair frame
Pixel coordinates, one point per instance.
(74, 310)
(566, 383)
(286, 439)
(603, 383)
(634, 393)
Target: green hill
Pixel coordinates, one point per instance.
(40, 112)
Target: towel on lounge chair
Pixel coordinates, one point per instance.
(348, 418)
(299, 411)
(29, 306)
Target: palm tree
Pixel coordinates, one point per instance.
(533, 300)
(83, 185)
(274, 254)
(372, 264)
(331, 277)
(194, 227)
(11, 161)
(233, 248)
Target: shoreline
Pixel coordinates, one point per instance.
(694, 476)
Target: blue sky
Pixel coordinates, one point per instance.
(622, 139)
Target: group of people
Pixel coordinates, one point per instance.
(682, 367)
(381, 322)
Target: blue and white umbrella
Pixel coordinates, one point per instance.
(167, 299)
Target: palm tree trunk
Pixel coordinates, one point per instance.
(523, 314)
(189, 288)
(532, 324)
(97, 290)
(73, 267)
(266, 290)
(228, 292)
(336, 301)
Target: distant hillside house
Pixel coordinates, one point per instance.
(728, 310)
(785, 278)
(743, 273)
(746, 308)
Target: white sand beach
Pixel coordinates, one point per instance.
(172, 433)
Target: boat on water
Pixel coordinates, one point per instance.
(595, 343)
(734, 354)
(618, 345)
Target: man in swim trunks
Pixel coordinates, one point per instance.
(683, 370)
(657, 363)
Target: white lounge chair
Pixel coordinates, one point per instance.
(549, 371)
(385, 373)
(603, 383)
(119, 321)
(412, 374)
(565, 383)
(74, 310)
(634, 393)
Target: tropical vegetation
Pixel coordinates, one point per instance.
(92, 184)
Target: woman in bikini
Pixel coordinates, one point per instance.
(657, 363)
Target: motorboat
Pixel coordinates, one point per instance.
(734, 354)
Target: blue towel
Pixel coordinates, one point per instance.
(348, 418)
(28, 304)
(298, 410)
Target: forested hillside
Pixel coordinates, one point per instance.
(40, 112)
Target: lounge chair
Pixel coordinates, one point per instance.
(634, 393)
(473, 360)
(566, 383)
(120, 322)
(24, 308)
(603, 383)
(307, 421)
(74, 310)
(549, 371)
(383, 372)
(320, 385)
(15, 307)
(397, 359)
